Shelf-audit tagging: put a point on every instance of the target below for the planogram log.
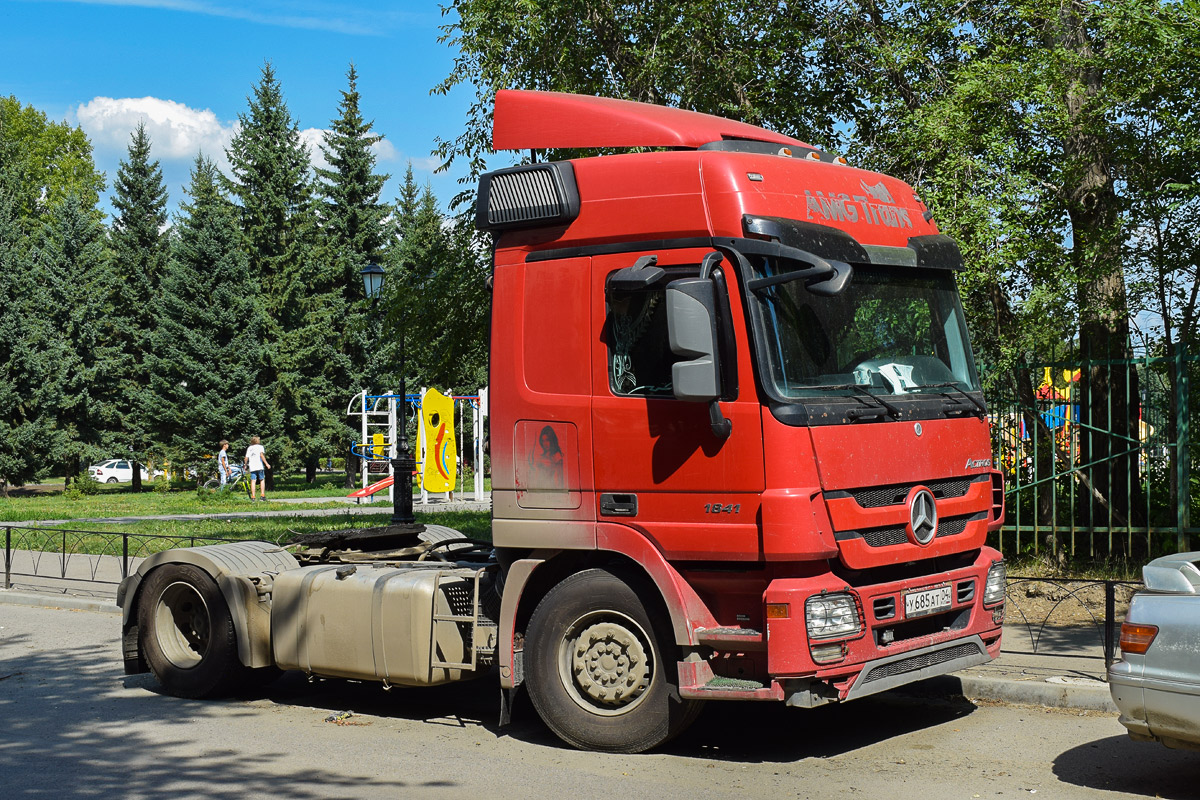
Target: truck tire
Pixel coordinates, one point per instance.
(187, 633)
(600, 672)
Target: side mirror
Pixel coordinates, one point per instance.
(692, 334)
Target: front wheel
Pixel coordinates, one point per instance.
(212, 484)
(187, 633)
(600, 671)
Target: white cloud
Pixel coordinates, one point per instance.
(385, 150)
(314, 138)
(177, 132)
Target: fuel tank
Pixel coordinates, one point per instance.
(412, 624)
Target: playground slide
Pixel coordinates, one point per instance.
(378, 486)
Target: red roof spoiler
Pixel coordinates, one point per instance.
(525, 120)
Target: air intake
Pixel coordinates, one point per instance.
(531, 196)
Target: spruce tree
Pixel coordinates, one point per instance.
(31, 358)
(71, 259)
(352, 217)
(269, 180)
(139, 246)
(206, 353)
(269, 164)
(441, 293)
(354, 232)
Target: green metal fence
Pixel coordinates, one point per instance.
(1097, 455)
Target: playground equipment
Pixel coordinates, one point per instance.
(380, 414)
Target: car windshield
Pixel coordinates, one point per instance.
(891, 331)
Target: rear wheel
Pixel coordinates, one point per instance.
(601, 673)
(212, 484)
(187, 633)
(111, 480)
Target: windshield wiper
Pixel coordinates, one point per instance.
(884, 405)
(954, 385)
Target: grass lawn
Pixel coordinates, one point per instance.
(183, 498)
(123, 503)
(153, 535)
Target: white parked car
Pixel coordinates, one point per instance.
(115, 471)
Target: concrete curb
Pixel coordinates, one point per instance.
(1076, 694)
(16, 597)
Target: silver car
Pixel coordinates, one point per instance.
(1156, 683)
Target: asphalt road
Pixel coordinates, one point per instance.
(73, 725)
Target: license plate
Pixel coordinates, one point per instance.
(926, 601)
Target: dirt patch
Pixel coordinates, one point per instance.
(1056, 601)
(34, 489)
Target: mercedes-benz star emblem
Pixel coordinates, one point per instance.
(922, 516)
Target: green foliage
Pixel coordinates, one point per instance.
(205, 359)
(72, 261)
(44, 162)
(437, 295)
(140, 251)
(31, 352)
(742, 59)
(354, 233)
(278, 219)
(85, 485)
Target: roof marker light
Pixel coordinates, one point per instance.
(814, 155)
(841, 160)
(785, 151)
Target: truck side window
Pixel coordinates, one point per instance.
(639, 355)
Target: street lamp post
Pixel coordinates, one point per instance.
(403, 463)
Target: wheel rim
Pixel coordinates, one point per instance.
(606, 663)
(181, 625)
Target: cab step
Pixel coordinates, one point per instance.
(697, 682)
(740, 640)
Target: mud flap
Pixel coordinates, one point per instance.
(507, 697)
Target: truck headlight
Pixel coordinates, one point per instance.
(831, 615)
(993, 591)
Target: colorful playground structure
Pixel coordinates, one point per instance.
(379, 418)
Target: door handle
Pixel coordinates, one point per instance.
(618, 505)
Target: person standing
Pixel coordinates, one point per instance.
(256, 462)
(223, 470)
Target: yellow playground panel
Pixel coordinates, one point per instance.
(438, 444)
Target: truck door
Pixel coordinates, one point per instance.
(658, 465)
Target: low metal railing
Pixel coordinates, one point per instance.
(89, 560)
(1106, 625)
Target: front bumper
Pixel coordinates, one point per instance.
(892, 648)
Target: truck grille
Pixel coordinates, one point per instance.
(879, 496)
(921, 661)
(898, 534)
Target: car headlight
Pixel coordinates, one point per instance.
(997, 577)
(831, 615)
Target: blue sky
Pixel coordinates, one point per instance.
(186, 67)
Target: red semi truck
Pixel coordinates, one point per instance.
(739, 452)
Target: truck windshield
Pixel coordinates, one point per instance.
(892, 331)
